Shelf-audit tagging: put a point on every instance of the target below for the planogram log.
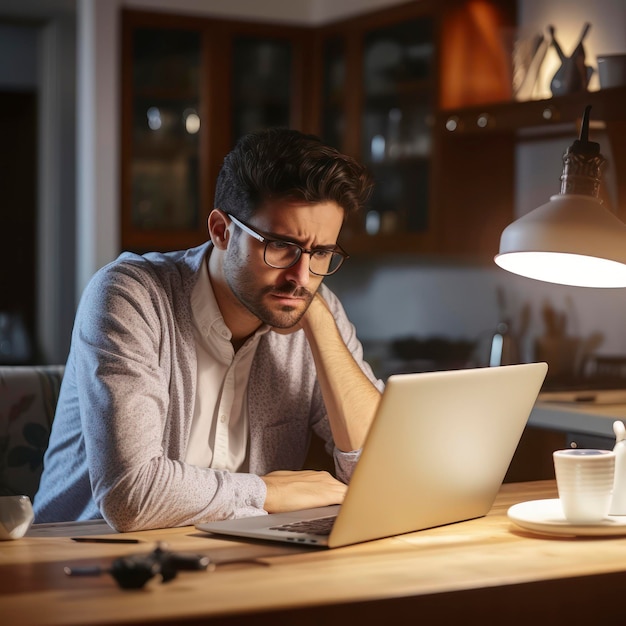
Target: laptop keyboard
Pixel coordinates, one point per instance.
(317, 526)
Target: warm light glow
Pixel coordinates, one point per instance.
(475, 63)
(154, 118)
(192, 124)
(571, 240)
(565, 269)
(192, 121)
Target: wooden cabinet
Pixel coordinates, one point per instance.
(191, 88)
(420, 92)
(165, 113)
(372, 86)
(378, 101)
(386, 77)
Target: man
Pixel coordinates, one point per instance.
(195, 377)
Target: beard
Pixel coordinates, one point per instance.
(255, 299)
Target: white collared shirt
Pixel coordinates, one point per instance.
(219, 432)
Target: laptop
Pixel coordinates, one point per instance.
(437, 453)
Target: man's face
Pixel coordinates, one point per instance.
(280, 297)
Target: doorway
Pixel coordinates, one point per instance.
(18, 230)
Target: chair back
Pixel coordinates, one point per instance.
(28, 399)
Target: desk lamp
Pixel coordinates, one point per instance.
(573, 239)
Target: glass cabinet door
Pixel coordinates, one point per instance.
(396, 124)
(191, 87)
(166, 120)
(333, 118)
(261, 84)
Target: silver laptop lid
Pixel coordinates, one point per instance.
(438, 449)
(437, 453)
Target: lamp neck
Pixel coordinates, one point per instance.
(581, 173)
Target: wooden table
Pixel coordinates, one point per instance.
(484, 570)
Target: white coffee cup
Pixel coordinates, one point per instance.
(584, 479)
(612, 70)
(16, 516)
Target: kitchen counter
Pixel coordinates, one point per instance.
(593, 418)
(556, 424)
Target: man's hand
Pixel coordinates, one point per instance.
(306, 489)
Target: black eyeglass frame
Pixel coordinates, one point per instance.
(338, 250)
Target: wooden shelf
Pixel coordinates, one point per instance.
(607, 105)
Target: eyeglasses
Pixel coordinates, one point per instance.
(281, 254)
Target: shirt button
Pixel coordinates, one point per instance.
(222, 418)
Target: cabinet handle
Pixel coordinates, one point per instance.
(453, 123)
(484, 120)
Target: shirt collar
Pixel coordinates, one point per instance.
(207, 316)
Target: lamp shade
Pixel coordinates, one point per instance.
(571, 240)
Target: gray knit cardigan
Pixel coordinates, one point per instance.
(124, 415)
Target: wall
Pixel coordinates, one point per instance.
(18, 42)
(57, 186)
(606, 36)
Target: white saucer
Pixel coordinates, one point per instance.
(546, 517)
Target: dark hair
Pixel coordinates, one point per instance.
(278, 163)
